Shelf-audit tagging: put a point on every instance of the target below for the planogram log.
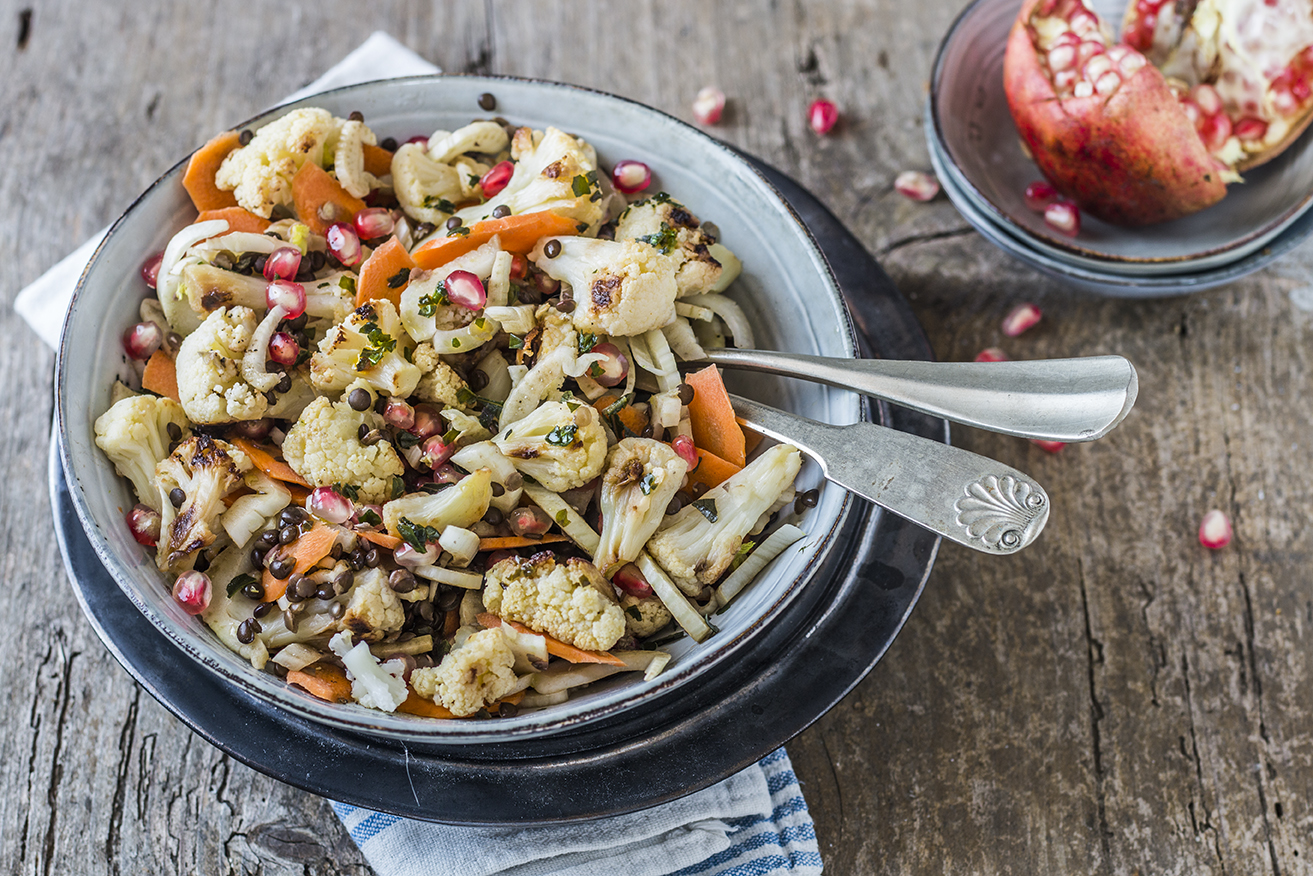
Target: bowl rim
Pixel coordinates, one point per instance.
(357, 719)
(1216, 257)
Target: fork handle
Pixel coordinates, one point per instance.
(1069, 400)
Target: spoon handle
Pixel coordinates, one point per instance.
(1067, 400)
(965, 497)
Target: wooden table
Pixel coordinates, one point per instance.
(1116, 699)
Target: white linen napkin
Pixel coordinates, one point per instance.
(755, 822)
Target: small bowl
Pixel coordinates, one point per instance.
(793, 302)
(973, 129)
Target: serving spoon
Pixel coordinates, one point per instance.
(963, 496)
(1068, 400)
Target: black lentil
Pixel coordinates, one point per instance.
(258, 554)
(402, 581)
(285, 384)
(806, 500)
(449, 599)
(498, 489)
(675, 505)
(501, 211)
(686, 394)
(247, 630)
(454, 222)
(259, 263)
(487, 102)
(373, 558)
(711, 230)
(566, 305)
(359, 399)
(245, 137)
(362, 431)
(282, 568)
(380, 404)
(254, 590)
(478, 380)
(552, 249)
(343, 580)
(288, 534)
(356, 116)
(306, 588)
(268, 538)
(648, 431)
(177, 497)
(263, 608)
(271, 397)
(291, 516)
(425, 612)
(175, 431)
(336, 610)
(507, 710)
(494, 517)
(289, 620)
(389, 143)
(326, 591)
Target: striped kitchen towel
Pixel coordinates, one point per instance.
(755, 823)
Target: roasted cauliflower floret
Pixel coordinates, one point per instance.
(461, 504)
(134, 433)
(569, 600)
(556, 332)
(667, 224)
(440, 384)
(370, 345)
(553, 171)
(374, 609)
(620, 287)
(643, 617)
(474, 675)
(558, 447)
(260, 173)
(697, 545)
(640, 479)
(204, 470)
(210, 381)
(324, 447)
(426, 189)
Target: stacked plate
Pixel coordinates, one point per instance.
(977, 155)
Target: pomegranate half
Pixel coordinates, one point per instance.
(1154, 128)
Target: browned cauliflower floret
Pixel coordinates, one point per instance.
(324, 447)
(643, 617)
(569, 600)
(203, 470)
(640, 479)
(620, 287)
(670, 227)
(374, 609)
(476, 674)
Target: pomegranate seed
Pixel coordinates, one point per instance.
(1088, 51)
(1108, 83)
(373, 223)
(1301, 89)
(1039, 195)
(150, 270)
(1250, 129)
(1067, 38)
(683, 446)
(1084, 23)
(399, 414)
(1284, 101)
(631, 177)
(519, 267)
(284, 349)
(328, 504)
(1217, 130)
(709, 105)
(282, 263)
(529, 521)
(497, 556)
(1020, 318)
(629, 578)
(144, 522)
(1048, 446)
(546, 285)
(142, 339)
(1083, 89)
(916, 185)
(420, 139)
(496, 178)
(822, 115)
(991, 354)
(427, 421)
(1065, 80)
(436, 451)
(465, 290)
(1208, 99)
(1063, 216)
(344, 244)
(614, 366)
(1062, 58)
(1192, 112)
(1215, 530)
(287, 295)
(192, 590)
(1150, 24)
(1097, 66)
(407, 556)
(1131, 64)
(447, 474)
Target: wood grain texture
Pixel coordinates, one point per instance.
(1115, 700)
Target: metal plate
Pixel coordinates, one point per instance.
(831, 637)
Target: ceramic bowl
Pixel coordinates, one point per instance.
(786, 288)
(972, 128)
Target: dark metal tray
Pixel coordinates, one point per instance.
(825, 643)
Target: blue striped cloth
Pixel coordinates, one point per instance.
(755, 823)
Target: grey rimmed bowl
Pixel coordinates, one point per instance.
(786, 288)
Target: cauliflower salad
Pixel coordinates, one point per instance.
(410, 429)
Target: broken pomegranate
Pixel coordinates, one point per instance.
(1154, 127)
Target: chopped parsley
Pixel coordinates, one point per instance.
(707, 508)
(399, 279)
(238, 582)
(665, 240)
(741, 554)
(442, 205)
(347, 284)
(407, 440)
(648, 483)
(634, 612)
(379, 343)
(398, 486)
(416, 535)
(562, 517)
(351, 491)
(429, 302)
(409, 354)
(562, 436)
(459, 231)
(474, 179)
(370, 517)
(579, 185)
(451, 436)
(587, 340)
(618, 405)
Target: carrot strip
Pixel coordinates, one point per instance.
(161, 375)
(265, 461)
(712, 417)
(273, 587)
(320, 200)
(237, 219)
(204, 164)
(382, 539)
(323, 680)
(518, 234)
(299, 493)
(378, 160)
(381, 274)
(712, 470)
(508, 542)
(307, 550)
(555, 646)
(414, 704)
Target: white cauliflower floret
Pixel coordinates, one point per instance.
(134, 433)
(205, 470)
(556, 332)
(697, 549)
(488, 138)
(568, 600)
(349, 158)
(260, 173)
(373, 685)
(209, 366)
(641, 477)
(462, 504)
(667, 224)
(374, 609)
(369, 344)
(558, 447)
(620, 287)
(553, 171)
(426, 189)
(440, 383)
(324, 448)
(645, 616)
(473, 676)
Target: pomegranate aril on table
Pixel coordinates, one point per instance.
(709, 105)
(1063, 216)
(1215, 530)
(822, 115)
(1020, 318)
(916, 185)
